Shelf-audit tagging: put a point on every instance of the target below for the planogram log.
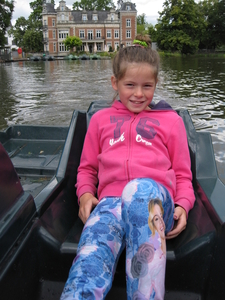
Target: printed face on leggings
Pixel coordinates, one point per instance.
(158, 221)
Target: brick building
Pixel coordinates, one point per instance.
(98, 30)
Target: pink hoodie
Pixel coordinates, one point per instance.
(121, 145)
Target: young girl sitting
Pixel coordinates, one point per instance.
(133, 152)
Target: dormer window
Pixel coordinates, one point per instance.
(112, 17)
(84, 17)
(62, 8)
(128, 7)
(95, 17)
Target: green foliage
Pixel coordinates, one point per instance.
(27, 33)
(179, 27)
(93, 5)
(141, 19)
(6, 9)
(72, 41)
(19, 30)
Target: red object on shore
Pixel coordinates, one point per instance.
(19, 50)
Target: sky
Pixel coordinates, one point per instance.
(148, 7)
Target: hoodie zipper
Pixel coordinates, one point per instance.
(129, 147)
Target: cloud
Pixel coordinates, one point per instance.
(148, 7)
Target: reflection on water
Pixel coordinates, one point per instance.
(48, 92)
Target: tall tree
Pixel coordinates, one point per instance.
(18, 31)
(142, 24)
(179, 26)
(28, 33)
(93, 5)
(6, 9)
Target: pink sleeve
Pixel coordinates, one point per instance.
(181, 164)
(87, 177)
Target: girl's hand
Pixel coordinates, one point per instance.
(180, 217)
(87, 202)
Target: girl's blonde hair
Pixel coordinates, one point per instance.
(136, 54)
(151, 205)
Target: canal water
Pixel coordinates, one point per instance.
(48, 92)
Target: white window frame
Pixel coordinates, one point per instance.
(95, 17)
(53, 34)
(62, 47)
(81, 33)
(53, 22)
(54, 47)
(63, 34)
(128, 22)
(116, 33)
(90, 34)
(84, 17)
(109, 33)
(128, 34)
(98, 33)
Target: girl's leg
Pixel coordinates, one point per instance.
(147, 211)
(99, 247)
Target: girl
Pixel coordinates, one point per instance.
(133, 152)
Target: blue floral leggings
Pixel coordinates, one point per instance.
(138, 221)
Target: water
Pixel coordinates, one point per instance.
(48, 92)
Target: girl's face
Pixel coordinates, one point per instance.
(158, 221)
(136, 89)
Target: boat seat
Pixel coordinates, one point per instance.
(191, 250)
(16, 206)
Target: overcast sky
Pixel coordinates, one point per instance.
(148, 7)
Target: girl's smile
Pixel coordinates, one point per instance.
(136, 89)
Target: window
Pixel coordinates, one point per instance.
(45, 22)
(81, 34)
(98, 34)
(90, 34)
(62, 8)
(84, 17)
(82, 47)
(54, 47)
(63, 34)
(62, 17)
(128, 34)
(128, 7)
(61, 47)
(99, 46)
(128, 44)
(53, 22)
(53, 34)
(128, 22)
(46, 34)
(112, 17)
(95, 17)
(116, 34)
(108, 34)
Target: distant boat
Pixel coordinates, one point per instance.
(95, 57)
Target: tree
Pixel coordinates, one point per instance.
(142, 24)
(6, 9)
(209, 38)
(72, 41)
(27, 33)
(18, 31)
(93, 5)
(179, 27)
